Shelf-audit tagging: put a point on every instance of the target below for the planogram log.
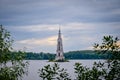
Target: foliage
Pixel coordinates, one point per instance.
(109, 45)
(5, 45)
(12, 66)
(84, 73)
(53, 73)
(109, 70)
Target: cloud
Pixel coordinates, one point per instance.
(55, 27)
(73, 26)
(50, 41)
(31, 12)
(38, 45)
(36, 28)
(118, 43)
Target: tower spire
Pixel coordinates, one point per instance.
(59, 33)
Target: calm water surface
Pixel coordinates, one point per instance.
(34, 65)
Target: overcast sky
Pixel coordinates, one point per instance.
(34, 24)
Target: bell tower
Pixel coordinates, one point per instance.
(59, 51)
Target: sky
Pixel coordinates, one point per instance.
(34, 24)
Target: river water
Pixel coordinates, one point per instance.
(34, 65)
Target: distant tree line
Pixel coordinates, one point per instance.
(84, 54)
(39, 56)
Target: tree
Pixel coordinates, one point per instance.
(84, 73)
(110, 69)
(110, 46)
(53, 73)
(12, 66)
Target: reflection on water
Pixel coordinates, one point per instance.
(34, 65)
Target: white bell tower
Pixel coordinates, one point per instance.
(59, 51)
